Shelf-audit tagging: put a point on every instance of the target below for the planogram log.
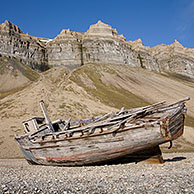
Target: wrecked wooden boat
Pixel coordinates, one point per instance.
(101, 139)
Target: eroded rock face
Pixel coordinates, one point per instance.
(174, 58)
(14, 43)
(65, 49)
(100, 44)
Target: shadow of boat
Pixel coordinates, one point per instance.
(175, 159)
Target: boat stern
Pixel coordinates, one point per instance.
(172, 127)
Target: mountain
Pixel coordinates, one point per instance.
(88, 91)
(101, 44)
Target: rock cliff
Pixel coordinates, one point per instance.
(101, 44)
(174, 58)
(171, 58)
(16, 44)
(65, 49)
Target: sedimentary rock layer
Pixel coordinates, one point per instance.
(28, 49)
(100, 44)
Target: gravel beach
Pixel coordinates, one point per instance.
(176, 175)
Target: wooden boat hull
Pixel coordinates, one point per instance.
(109, 137)
(97, 148)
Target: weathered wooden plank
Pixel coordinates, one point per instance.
(47, 119)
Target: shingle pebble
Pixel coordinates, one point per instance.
(176, 175)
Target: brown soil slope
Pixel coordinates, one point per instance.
(90, 90)
(14, 76)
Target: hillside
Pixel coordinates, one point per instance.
(14, 76)
(91, 90)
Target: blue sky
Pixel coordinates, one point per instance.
(154, 21)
